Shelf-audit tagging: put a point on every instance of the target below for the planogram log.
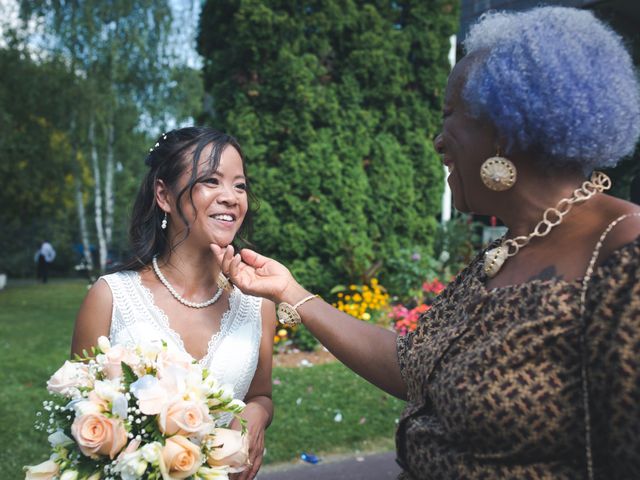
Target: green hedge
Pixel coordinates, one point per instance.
(335, 104)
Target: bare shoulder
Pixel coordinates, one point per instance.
(268, 311)
(94, 317)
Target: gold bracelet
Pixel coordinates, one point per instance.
(288, 314)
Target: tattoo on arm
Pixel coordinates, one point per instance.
(548, 273)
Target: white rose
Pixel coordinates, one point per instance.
(131, 466)
(69, 378)
(86, 407)
(59, 439)
(104, 344)
(152, 452)
(108, 389)
(149, 350)
(210, 384)
(150, 393)
(212, 473)
(195, 389)
(43, 471)
(69, 475)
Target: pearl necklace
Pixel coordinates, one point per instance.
(179, 297)
(494, 259)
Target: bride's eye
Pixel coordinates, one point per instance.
(211, 181)
(241, 186)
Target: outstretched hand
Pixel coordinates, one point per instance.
(253, 273)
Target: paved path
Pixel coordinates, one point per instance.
(378, 466)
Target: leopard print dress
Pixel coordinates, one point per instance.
(494, 378)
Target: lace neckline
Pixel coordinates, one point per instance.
(163, 320)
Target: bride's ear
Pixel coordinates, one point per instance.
(163, 196)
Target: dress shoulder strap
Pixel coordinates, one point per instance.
(583, 340)
(126, 301)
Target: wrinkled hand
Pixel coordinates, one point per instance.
(254, 274)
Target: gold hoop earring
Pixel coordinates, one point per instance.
(498, 173)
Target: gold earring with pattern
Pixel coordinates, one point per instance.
(498, 173)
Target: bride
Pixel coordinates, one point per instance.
(194, 194)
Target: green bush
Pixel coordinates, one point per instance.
(335, 104)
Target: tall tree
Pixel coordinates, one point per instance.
(335, 103)
(121, 55)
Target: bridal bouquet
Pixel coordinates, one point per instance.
(143, 412)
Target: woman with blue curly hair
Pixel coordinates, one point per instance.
(528, 364)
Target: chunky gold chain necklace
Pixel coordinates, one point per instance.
(494, 259)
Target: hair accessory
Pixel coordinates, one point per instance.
(288, 314)
(494, 259)
(179, 297)
(163, 225)
(157, 144)
(498, 173)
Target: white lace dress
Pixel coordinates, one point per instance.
(232, 353)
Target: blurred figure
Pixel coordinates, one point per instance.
(44, 257)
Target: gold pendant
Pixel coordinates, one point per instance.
(494, 259)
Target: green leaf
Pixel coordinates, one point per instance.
(128, 374)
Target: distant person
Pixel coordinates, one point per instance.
(634, 190)
(44, 257)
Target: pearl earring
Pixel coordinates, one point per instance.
(163, 226)
(498, 173)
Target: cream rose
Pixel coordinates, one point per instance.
(43, 471)
(98, 435)
(185, 417)
(151, 394)
(69, 378)
(181, 457)
(172, 358)
(111, 361)
(230, 448)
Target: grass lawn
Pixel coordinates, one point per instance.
(36, 323)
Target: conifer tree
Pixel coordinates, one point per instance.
(335, 103)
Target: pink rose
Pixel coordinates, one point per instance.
(69, 378)
(230, 448)
(112, 361)
(43, 471)
(181, 457)
(98, 435)
(172, 358)
(185, 417)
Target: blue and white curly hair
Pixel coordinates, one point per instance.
(556, 81)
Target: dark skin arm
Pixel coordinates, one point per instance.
(368, 350)
(259, 410)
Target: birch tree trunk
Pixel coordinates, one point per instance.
(97, 200)
(109, 196)
(82, 213)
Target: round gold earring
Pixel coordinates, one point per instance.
(498, 173)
